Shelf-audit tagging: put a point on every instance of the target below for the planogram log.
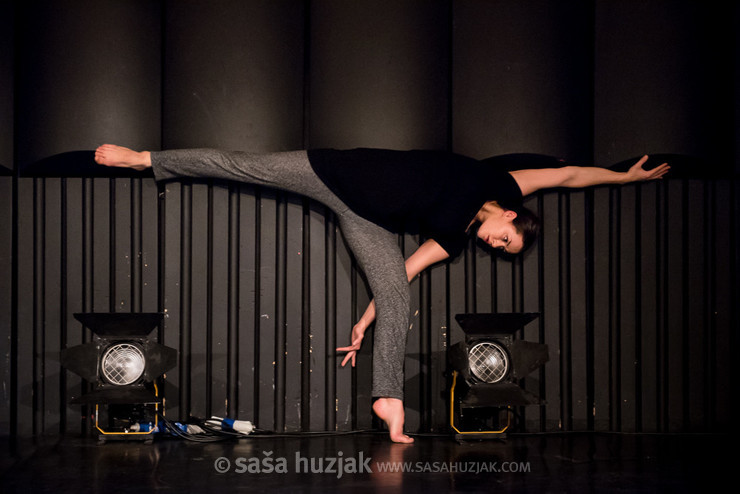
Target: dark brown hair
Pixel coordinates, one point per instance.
(528, 224)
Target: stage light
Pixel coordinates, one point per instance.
(122, 365)
(490, 364)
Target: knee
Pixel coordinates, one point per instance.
(393, 300)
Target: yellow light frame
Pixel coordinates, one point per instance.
(452, 413)
(151, 431)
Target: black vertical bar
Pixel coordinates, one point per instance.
(425, 347)
(710, 303)
(354, 315)
(659, 315)
(617, 294)
(566, 368)
(306, 320)
(615, 305)
(232, 385)
(590, 309)
(448, 341)
(685, 301)
(541, 307)
(638, 310)
(658, 334)
(136, 246)
(209, 295)
(517, 280)
(494, 284)
(112, 246)
(517, 305)
(161, 272)
(330, 276)
(13, 371)
(38, 306)
(185, 298)
(257, 310)
(88, 267)
(665, 386)
(280, 314)
(63, 306)
(470, 289)
(161, 245)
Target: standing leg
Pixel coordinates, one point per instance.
(380, 257)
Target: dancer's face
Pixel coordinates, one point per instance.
(498, 231)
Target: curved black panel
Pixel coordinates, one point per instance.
(522, 78)
(380, 74)
(87, 73)
(234, 75)
(77, 164)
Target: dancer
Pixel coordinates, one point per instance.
(377, 194)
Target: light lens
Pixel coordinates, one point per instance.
(488, 362)
(122, 364)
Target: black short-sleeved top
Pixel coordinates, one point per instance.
(434, 193)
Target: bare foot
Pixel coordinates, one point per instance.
(111, 155)
(390, 410)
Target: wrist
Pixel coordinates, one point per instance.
(146, 159)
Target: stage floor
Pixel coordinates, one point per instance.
(367, 462)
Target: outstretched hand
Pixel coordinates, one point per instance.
(358, 333)
(637, 173)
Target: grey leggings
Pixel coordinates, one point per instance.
(375, 248)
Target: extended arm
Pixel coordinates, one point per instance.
(531, 181)
(428, 253)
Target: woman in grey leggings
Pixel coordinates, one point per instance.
(374, 243)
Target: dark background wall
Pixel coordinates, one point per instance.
(636, 285)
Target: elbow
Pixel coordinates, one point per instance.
(570, 176)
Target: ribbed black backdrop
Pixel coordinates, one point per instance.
(637, 285)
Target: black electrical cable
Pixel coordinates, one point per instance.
(199, 438)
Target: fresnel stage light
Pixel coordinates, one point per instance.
(122, 365)
(486, 369)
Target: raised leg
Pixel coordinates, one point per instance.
(375, 248)
(112, 155)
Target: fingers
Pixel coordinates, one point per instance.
(658, 171)
(640, 173)
(351, 353)
(353, 348)
(349, 356)
(661, 170)
(642, 161)
(636, 171)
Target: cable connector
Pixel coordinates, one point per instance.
(243, 426)
(144, 427)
